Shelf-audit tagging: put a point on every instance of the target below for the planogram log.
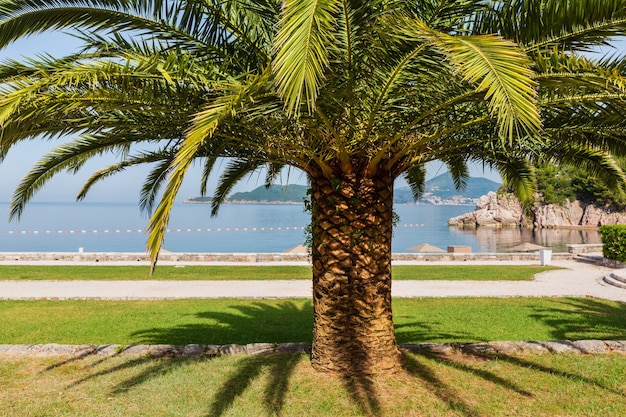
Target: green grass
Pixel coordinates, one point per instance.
(225, 321)
(285, 385)
(400, 272)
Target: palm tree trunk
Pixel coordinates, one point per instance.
(352, 228)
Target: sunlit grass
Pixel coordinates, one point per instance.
(246, 272)
(224, 321)
(285, 385)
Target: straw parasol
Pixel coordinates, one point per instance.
(297, 249)
(527, 247)
(426, 247)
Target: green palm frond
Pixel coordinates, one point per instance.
(301, 46)
(498, 67)
(273, 171)
(19, 18)
(416, 178)
(205, 124)
(67, 157)
(209, 164)
(572, 24)
(459, 172)
(518, 176)
(234, 172)
(202, 129)
(561, 74)
(598, 164)
(328, 87)
(162, 159)
(154, 181)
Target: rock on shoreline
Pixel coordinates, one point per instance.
(505, 210)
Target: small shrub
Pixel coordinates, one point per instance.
(614, 242)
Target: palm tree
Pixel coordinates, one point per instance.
(353, 93)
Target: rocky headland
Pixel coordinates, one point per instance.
(505, 210)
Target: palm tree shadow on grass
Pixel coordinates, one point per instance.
(584, 318)
(271, 322)
(155, 367)
(438, 386)
(528, 363)
(423, 332)
(268, 323)
(250, 323)
(279, 369)
(454, 397)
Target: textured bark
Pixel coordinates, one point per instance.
(352, 228)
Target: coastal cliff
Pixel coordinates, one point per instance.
(504, 210)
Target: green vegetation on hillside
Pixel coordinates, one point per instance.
(292, 193)
(556, 185)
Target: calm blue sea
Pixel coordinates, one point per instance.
(118, 227)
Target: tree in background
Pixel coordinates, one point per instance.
(353, 93)
(559, 184)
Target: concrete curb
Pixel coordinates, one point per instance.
(184, 258)
(196, 350)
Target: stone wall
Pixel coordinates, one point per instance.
(49, 258)
(480, 348)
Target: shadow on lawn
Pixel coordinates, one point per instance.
(270, 323)
(287, 322)
(439, 383)
(279, 369)
(248, 322)
(276, 323)
(579, 318)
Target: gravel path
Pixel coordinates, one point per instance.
(578, 280)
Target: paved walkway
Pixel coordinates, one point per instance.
(577, 280)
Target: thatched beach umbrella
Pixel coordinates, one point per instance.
(527, 247)
(426, 247)
(297, 249)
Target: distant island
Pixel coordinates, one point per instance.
(439, 190)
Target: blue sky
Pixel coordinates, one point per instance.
(124, 186)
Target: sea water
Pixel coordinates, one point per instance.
(242, 228)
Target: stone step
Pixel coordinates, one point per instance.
(610, 279)
(619, 277)
(590, 259)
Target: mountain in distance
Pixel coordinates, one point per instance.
(441, 190)
(438, 190)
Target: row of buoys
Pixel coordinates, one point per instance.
(216, 229)
(48, 232)
(181, 230)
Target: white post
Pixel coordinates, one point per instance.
(545, 257)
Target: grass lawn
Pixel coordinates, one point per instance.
(224, 321)
(164, 272)
(286, 385)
